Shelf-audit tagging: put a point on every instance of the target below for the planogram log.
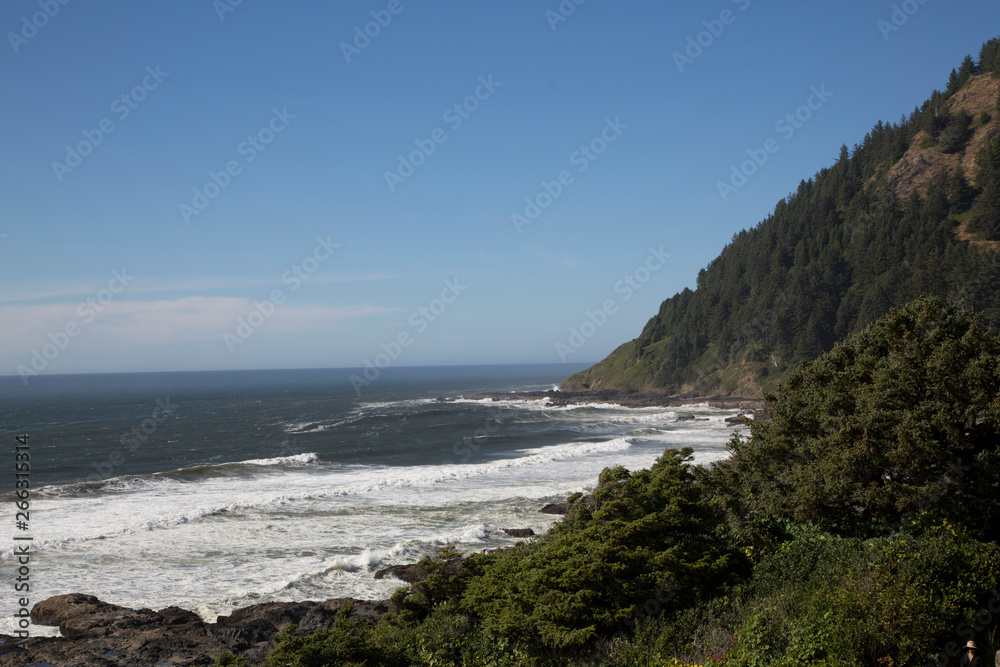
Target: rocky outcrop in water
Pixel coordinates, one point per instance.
(415, 572)
(519, 532)
(555, 508)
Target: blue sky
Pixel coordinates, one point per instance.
(203, 185)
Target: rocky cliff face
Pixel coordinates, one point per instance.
(922, 162)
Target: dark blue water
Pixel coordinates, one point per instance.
(95, 427)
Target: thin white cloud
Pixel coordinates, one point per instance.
(11, 293)
(223, 283)
(137, 324)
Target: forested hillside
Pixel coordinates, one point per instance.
(913, 209)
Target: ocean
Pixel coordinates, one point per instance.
(217, 490)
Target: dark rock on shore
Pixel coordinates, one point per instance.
(741, 418)
(519, 532)
(415, 573)
(555, 508)
(96, 633)
(411, 573)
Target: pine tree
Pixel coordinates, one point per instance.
(935, 205)
(956, 133)
(986, 212)
(966, 71)
(960, 193)
(898, 419)
(953, 84)
(989, 57)
(933, 116)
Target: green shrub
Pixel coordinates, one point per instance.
(640, 542)
(898, 423)
(348, 643)
(860, 602)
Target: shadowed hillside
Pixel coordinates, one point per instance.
(913, 209)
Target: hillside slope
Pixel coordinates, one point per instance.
(913, 209)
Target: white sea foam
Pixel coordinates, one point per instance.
(298, 459)
(301, 428)
(406, 403)
(366, 560)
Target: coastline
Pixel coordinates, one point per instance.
(95, 632)
(626, 399)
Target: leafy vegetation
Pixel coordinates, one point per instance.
(901, 422)
(644, 537)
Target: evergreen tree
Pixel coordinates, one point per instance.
(966, 71)
(934, 117)
(936, 205)
(902, 420)
(956, 133)
(989, 57)
(986, 212)
(953, 84)
(960, 193)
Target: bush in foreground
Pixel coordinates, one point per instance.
(897, 426)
